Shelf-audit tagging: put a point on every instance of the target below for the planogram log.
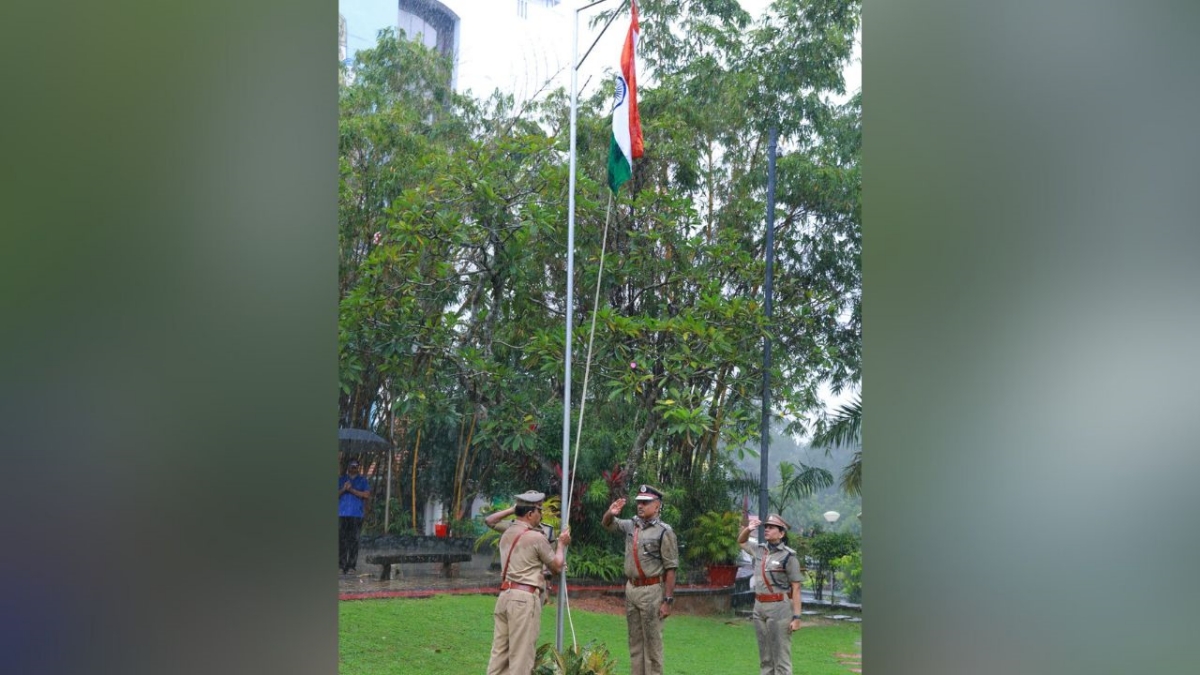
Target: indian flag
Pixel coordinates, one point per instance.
(626, 142)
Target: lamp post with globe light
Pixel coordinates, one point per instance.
(831, 517)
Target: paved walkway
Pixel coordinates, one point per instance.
(853, 662)
(425, 579)
(415, 580)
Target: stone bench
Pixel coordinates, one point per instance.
(385, 561)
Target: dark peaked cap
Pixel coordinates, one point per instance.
(647, 493)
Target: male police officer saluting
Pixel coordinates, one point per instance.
(651, 557)
(524, 549)
(777, 577)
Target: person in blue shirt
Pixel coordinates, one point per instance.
(353, 490)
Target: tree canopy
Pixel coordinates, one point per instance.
(452, 236)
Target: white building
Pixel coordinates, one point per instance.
(517, 46)
(514, 45)
(341, 38)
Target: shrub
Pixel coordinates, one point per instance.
(595, 563)
(849, 572)
(590, 659)
(826, 548)
(713, 539)
(399, 521)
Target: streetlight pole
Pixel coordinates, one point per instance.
(768, 304)
(831, 517)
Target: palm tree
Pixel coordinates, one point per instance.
(797, 481)
(844, 429)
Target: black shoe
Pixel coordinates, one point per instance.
(352, 570)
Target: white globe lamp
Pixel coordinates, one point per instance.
(831, 517)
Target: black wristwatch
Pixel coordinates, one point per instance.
(795, 617)
(670, 600)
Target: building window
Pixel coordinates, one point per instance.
(523, 9)
(417, 29)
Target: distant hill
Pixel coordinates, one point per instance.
(785, 448)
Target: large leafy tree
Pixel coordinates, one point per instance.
(453, 244)
(684, 294)
(447, 208)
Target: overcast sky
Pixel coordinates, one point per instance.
(608, 50)
(497, 50)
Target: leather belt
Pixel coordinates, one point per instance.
(519, 586)
(773, 597)
(648, 581)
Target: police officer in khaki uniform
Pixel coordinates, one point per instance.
(651, 558)
(777, 579)
(524, 549)
(497, 521)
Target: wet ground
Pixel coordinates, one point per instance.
(424, 579)
(409, 579)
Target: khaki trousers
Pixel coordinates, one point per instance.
(642, 605)
(518, 620)
(771, 621)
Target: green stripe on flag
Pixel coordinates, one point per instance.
(619, 169)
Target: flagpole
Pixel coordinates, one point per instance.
(566, 431)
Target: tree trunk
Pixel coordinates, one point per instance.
(639, 445)
(416, 453)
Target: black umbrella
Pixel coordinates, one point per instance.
(358, 441)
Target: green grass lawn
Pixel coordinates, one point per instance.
(452, 635)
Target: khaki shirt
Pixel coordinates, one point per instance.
(782, 567)
(657, 547)
(526, 560)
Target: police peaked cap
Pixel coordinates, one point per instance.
(647, 493)
(776, 520)
(530, 497)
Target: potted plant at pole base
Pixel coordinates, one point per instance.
(590, 659)
(712, 542)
